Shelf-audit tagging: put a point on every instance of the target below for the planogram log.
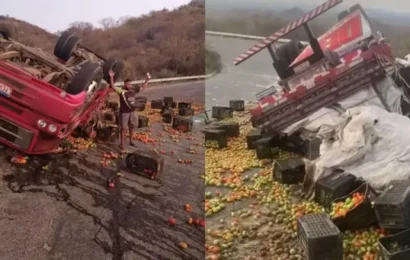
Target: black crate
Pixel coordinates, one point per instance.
(168, 99)
(253, 136)
(319, 237)
(145, 163)
(292, 143)
(237, 105)
(157, 104)
(392, 206)
(185, 111)
(142, 121)
(219, 112)
(140, 107)
(184, 105)
(231, 128)
(167, 116)
(289, 171)
(311, 148)
(396, 247)
(182, 124)
(217, 135)
(142, 99)
(334, 186)
(264, 148)
(360, 217)
(170, 104)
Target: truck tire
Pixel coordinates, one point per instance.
(66, 44)
(342, 15)
(62, 40)
(7, 31)
(113, 64)
(88, 73)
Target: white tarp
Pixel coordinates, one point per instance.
(329, 116)
(370, 143)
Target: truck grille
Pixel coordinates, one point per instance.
(15, 134)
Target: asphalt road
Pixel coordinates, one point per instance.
(237, 82)
(60, 208)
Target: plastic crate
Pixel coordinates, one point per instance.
(167, 116)
(289, 171)
(334, 186)
(142, 121)
(182, 124)
(217, 135)
(253, 136)
(292, 143)
(360, 217)
(170, 104)
(219, 112)
(392, 206)
(184, 105)
(145, 163)
(168, 99)
(157, 104)
(237, 105)
(319, 237)
(185, 111)
(311, 148)
(231, 128)
(264, 149)
(396, 247)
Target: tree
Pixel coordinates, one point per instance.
(107, 23)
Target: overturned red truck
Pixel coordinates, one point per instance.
(43, 98)
(347, 59)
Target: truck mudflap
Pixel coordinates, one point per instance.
(335, 85)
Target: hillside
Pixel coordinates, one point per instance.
(264, 23)
(164, 43)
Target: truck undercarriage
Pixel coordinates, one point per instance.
(49, 96)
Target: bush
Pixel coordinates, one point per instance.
(164, 43)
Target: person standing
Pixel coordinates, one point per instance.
(128, 117)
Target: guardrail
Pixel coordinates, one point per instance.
(165, 80)
(246, 37)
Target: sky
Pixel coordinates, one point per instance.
(402, 6)
(393, 5)
(55, 15)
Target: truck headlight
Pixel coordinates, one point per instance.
(52, 128)
(41, 123)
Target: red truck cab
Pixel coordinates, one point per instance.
(35, 115)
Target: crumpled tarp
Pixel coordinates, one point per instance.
(368, 142)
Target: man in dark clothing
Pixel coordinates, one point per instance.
(128, 115)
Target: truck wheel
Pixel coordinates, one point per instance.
(84, 79)
(112, 64)
(342, 15)
(66, 44)
(7, 31)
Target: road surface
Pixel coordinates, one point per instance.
(237, 82)
(60, 208)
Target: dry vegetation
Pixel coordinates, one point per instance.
(164, 43)
(265, 23)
